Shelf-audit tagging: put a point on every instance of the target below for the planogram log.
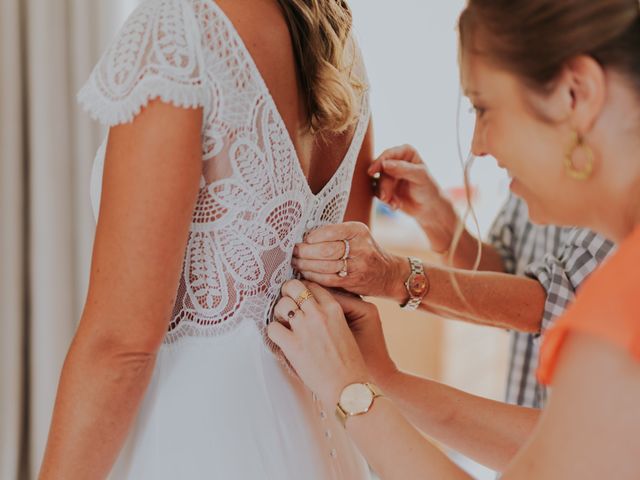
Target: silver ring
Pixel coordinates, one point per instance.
(344, 271)
(347, 250)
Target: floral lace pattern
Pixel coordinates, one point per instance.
(254, 202)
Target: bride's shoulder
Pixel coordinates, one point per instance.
(157, 53)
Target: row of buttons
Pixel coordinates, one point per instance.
(333, 453)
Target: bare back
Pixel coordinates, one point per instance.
(264, 30)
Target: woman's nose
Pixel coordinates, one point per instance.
(478, 147)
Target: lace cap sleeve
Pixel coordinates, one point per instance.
(156, 54)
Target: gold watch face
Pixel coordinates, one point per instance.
(417, 285)
(356, 398)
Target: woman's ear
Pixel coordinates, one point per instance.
(587, 83)
(576, 96)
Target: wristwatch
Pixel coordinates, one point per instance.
(356, 399)
(417, 285)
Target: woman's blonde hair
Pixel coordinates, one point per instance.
(320, 32)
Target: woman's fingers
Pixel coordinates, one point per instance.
(301, 295)
(394, 165)
(333, 250)
(283, 337)
(318, 266)
(361, 272)
(351, 304)
(400, 170)
(386, 188)
(324, 279)
(402, 152)
(375, 167)
(322, 295)
(287, 312)
(335, 233)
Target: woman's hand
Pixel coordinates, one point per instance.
(318, 344)
(364, 321)
(369, 269)
(405, 184)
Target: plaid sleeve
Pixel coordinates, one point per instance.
(502, 235)
(561, 275)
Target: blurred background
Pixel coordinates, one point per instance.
(47, 49)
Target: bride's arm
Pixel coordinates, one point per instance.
(150, 187)
(361, 198)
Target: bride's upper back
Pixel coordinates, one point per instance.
(280, 41)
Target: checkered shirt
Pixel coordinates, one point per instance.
(560, 258)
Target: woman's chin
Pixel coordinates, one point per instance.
(536, 213)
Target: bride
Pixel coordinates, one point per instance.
(235, 127)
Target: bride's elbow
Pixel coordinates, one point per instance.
(113, 343)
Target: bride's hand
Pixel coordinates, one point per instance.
(318, 344)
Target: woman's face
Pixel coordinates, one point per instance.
(510, 127)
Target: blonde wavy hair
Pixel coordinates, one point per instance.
(321, 34)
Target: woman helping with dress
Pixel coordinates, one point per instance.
(235, 127)
(561, 116)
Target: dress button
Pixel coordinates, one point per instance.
(310, 224)
(333, 453)
(323, 415)
(327, 434)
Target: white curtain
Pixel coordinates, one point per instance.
(47, 49)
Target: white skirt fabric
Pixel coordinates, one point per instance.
(225, 408)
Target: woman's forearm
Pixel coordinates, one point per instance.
(395, 449)
(100, 390)
(441, 233)
(487, 431)
(485, 298)
(465, 254)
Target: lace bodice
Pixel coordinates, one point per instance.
(254, 202)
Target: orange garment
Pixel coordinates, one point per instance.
(607, 306)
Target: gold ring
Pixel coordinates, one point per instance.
(347, 250)
(303, 297)
(344, 271)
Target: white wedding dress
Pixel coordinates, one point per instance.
(220, 404)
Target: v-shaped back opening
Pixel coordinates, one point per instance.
(257, 74)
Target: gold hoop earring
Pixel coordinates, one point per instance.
(572, 171)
